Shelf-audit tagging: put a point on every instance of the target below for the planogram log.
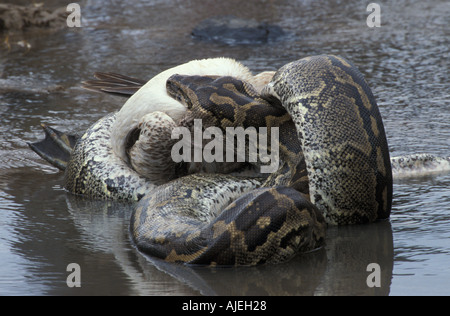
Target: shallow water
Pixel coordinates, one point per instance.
(43, 229)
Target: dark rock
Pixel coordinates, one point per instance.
(235, 31)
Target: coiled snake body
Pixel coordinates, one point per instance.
(348, 169)
(334, 169)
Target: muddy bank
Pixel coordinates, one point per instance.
(14, 17)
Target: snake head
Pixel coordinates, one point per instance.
(183, 88)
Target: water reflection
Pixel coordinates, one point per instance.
(338, 269)
(422, 229)
(51, 229)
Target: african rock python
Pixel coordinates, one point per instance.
(347, 163)
(334, 168)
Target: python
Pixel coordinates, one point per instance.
(213, 151)
(335, 165)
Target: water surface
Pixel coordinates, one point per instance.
(43, 229)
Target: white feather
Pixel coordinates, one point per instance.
(153, 96)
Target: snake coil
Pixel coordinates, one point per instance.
(334, 166)
(348, 167)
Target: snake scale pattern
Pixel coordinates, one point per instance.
(334, 169)
(338, 120)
